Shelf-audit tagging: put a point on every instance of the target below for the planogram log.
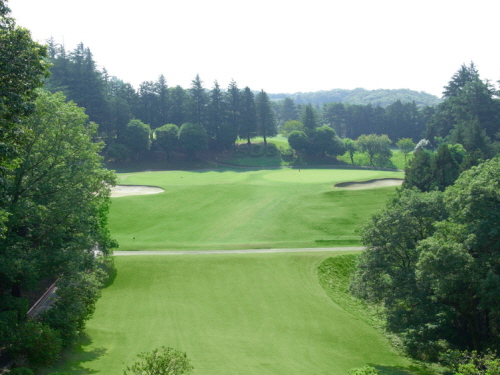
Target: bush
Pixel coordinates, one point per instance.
(21, 371)
(117, 152)
(367, 370)
(35, 344)
(162, 361)
(271, 149)
(241, 150)
(75, 304)
(257, 150)
(472, 363)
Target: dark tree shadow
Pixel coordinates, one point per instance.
(75, 356)
(399, 370)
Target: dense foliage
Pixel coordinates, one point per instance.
(162, 361)
(58, 197)
(432, 261)
(22, 71)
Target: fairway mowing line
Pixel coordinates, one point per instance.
(247, 251)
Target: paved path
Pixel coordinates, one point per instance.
(248, 251)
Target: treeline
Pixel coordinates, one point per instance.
(398, 120)
(225, 115)
(360, 96)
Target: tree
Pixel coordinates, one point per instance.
(405, 145)
(266, 122)
(178, 105)
(386, 270)
(58, 202)
(324, 140)
(351, 147)
(234, 105)
(22, 71)
(137, 137)
(309, 119)
(334, 114)
(289, 110)
(375, 145)
(248, 128)
(469, 240)
(163, 102)
(193, 137)
(167, 137)
(216, 113)
(419, 173)
(199, 101)
(432, 258)
(445, 170)
(299, 141)
(162, 361)
(290, 126)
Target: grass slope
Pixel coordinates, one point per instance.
(235, 209)
(249, 314)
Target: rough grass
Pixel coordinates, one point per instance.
(234, 209)
(233, 314)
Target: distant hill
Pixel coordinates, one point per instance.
(380, 97)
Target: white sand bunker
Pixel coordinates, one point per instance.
(370, 184)
(126, 190)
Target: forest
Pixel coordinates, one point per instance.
(431, 263)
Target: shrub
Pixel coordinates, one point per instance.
(21, 371)
(117, 152)
(271, 149)
(35, 344)
(257, 150)
(75, 304)
(472, 363)
(367, 370)
(162, 361)
(241, 150)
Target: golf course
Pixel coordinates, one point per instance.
(236, 313)
(245, 209)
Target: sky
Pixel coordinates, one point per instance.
(279, 46)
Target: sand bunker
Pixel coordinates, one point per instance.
(126, 190)
(370, 184)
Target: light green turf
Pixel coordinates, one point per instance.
(397, 159)
(248, 314)
(238, 209)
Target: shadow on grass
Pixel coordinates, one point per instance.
(112, 273)
(398, 370)
(74, 358)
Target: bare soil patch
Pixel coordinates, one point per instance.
(356, 185)
(127, 190)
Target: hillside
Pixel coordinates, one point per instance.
(380, 97)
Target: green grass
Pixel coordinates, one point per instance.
(235, 209)
(397, 160)
(233, 314)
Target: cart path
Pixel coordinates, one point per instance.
(247, 251)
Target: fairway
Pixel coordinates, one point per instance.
(233, 314)
(245, 209)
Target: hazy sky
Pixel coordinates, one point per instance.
(277, 45)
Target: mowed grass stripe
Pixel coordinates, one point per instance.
(233, 314)
(238, 210)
